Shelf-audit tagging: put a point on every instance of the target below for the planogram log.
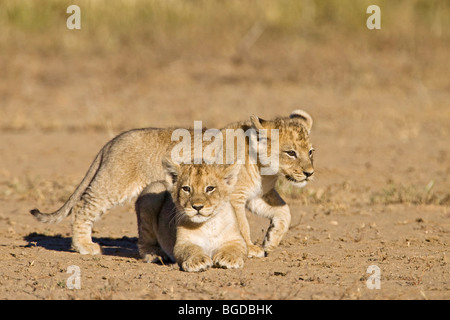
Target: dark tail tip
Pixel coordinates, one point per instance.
(35, 212)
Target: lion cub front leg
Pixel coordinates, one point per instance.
(272, 206)
(191, 257)
(239, 209)
(230, 255)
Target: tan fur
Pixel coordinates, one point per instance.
(257, 192)
(133, 160)
(194, 224)
(123, 167)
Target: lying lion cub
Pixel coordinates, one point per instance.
(194, 224)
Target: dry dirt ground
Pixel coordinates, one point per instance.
(380, 196)
(337, 231)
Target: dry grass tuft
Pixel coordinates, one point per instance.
(410, 194)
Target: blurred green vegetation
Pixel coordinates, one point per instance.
(208, 25)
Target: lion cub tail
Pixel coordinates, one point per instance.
(66, 209)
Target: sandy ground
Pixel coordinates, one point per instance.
(325, 254)
(380, 196)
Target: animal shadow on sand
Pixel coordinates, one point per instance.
(122, 247)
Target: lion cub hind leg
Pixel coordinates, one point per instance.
(148, 206)
(230, 255)
(84, 215)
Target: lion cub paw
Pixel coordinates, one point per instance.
(160, 259)
(197, 263)
(228, 260)
(87, 248)
(255, 251)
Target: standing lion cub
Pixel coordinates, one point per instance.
(189, 218)
(133, 160)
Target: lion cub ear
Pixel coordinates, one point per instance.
(231, 173)
(172, 170)
(303, 116)
(257, 122)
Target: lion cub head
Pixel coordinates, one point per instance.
(295, 153)
(200, 190)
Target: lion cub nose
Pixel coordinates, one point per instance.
(198, 207)
(308, 173)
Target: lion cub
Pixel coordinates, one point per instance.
(189, 218)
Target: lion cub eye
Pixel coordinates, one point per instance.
(291, 153)
(311, 151)
(210, 189)
(186, 189)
